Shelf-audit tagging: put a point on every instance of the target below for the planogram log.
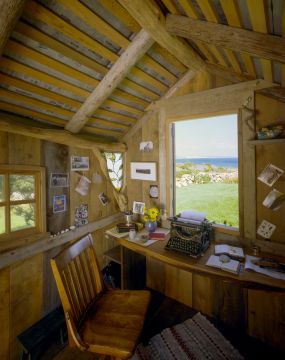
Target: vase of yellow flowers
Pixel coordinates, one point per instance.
(151, 216)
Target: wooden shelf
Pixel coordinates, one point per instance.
(114, 254)
(267, 142)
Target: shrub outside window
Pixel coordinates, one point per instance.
(21, 200)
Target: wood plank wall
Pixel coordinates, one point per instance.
(270, 111)
(27, 289)
(228, 302)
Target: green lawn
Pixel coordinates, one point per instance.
(219, 201)
(18, 222)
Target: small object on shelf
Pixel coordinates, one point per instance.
(270, 132)
(122, 227)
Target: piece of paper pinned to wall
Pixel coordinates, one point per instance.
(192, 215)
(274, 200)
(146, 146)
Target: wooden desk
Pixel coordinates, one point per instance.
(251, 302)
(158, 252)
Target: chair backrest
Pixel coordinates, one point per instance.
(78, 278)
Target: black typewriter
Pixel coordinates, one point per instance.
(191, 238)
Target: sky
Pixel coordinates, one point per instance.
(209, 137)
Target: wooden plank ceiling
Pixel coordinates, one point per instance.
(61, 50)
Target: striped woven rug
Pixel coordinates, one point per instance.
(196, 338)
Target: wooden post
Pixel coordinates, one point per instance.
(10, 11)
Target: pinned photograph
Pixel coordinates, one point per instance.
(59, 180)
(266, 229)
(59, 203)
(270, 174)
(79, 163)
(103, 199)
(274, 200)
(81, 215)
(146, 146)
(138, 207)
(83, 186)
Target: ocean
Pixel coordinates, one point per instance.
(229, 162)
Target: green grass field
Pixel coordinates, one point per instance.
(218, 200)
(18, 222)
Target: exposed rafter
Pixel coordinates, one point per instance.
(10, 11)
(16, 125)
(150, 17)
(112, 79)
(257, 44)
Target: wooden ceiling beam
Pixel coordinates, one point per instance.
(151, 18)
(254, 43)
(14, 124)
(10, 11)
(111, 80)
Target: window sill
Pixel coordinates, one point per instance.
(226, 230)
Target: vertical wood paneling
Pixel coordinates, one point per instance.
(26, 289)
(4, 313)
(169, 280)
(134, 189)
(266, 316)
(268, 111)
(24, 150)
(4, 154)
(56, 160)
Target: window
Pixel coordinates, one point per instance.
(21, 201)
(206, 171)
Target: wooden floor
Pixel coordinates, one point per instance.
(165, 312)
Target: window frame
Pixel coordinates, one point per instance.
(170, 171)
(40, 201)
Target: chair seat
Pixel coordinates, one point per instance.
(114, 324)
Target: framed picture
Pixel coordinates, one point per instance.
(59, 180)
(138, 207)
(270, 174)
(59, 203)
(79, 163)
(103, 199)
(143, 171)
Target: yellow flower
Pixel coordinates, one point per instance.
(151, 214)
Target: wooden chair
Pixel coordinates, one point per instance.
(102, 321)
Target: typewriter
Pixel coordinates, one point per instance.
(189, 237)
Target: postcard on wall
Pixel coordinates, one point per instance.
(270, 174)
(79, 163)
(59, 180)
(59, 203)
(266, 229)
(81, 215)
(274, 200)
(83, 186)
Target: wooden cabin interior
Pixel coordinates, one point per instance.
(81, 78)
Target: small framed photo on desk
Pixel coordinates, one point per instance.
(138, 207)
